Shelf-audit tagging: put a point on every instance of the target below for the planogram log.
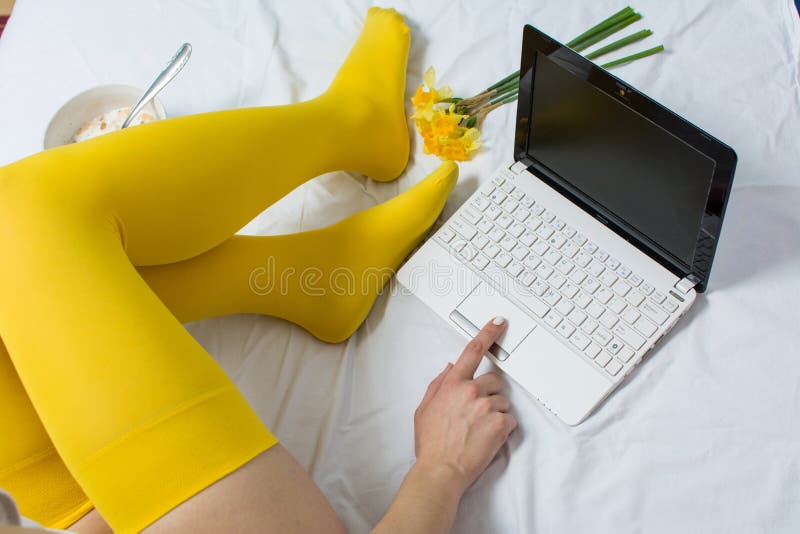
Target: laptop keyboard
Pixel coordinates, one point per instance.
(586, 297)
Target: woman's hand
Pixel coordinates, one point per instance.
(463, 421)
(459, 426)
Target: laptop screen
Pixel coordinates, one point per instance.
(644, 175)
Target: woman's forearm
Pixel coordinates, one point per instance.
(426, 503)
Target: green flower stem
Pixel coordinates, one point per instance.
(638, 36)
(512, 84)
(607, 23)
(504, 80)
(634, 57)
(586, 43)
(504, 98)
(454, 100)
(507, 89)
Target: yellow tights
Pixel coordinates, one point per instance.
(109, 244)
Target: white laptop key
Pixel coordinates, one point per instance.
(521, 214)
(602, 359)
(621, 288)
(468, 252)
(446, 235)
(570, 290)
(583, 300)
(617, 305)
(504, 220)
(552, 319)
(481, 202)
(579, 340)
(592, 350)
(630, 337)
(480, 262)
(565, 329)
(535, 305)
(645, 327)
(670, 305)
(497, 196)
(485, 225)
(634, 297)
(589, 326)
(613, 367)
(480, 241)
(516, 229)
(630, 315)
(625, 354)
(463, 228)
(471, 215)
(491, 250)
(654, 312)
(608, 319)
(602, 337)
(595, 268)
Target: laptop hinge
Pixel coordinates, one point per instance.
(518, 167)
(685, 284)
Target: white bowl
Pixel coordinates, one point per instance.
(90, 104)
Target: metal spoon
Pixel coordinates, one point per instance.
(170, 71)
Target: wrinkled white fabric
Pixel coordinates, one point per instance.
(704, 437)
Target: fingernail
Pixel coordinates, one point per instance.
(498, 320)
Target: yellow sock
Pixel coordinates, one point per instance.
(375, 69)
(324, 280)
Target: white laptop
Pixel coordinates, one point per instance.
(592, 242)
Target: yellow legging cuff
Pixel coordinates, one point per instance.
(45, 490)
(192, 447)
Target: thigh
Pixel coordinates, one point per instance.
(271, 493)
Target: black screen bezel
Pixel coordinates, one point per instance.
(535, 42)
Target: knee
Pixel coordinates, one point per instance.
(44, 187)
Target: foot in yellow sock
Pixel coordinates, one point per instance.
(376, 70)
(324, 280)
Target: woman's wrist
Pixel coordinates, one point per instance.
(426, 502)
(444, 480)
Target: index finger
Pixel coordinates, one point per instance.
(469, 360)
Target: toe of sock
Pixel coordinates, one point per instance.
(446, 175)
(388, 16)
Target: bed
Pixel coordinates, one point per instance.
(703, 437)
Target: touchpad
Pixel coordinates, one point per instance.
(486, 303)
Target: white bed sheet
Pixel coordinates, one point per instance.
(705, 437)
